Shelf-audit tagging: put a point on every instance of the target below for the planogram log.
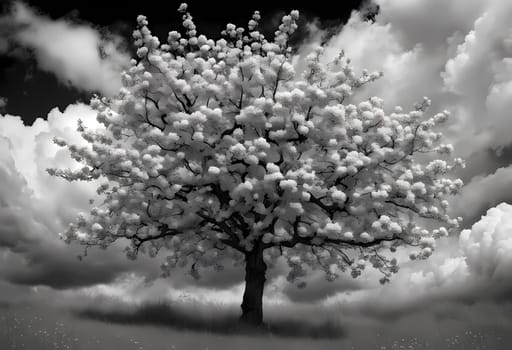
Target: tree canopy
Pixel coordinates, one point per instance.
(215, 148)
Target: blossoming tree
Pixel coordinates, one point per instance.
(220, 150)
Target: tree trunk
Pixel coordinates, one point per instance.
(252, 304)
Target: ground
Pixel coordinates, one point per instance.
(24, 326)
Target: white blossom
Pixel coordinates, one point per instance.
(219, 149)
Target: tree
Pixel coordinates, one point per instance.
(220, 150)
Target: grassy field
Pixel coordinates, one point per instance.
(43, 328)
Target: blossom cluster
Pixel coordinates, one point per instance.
(213, 147)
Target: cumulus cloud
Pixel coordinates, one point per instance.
(487, 246)
(430, 23)
(482, 193)
(78, 54)
(34, 207)
(480, 73)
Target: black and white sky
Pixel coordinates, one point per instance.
(54, 56)
(29, 65)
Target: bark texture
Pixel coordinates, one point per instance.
(252, 304)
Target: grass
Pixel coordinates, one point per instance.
(211, 320)
(162, 326)
(146, 328)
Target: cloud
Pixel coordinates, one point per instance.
(317, 288)
(480, 73)
(487, 246)
(430, 23)
(78, 54)
(482, 193)
(34, 207)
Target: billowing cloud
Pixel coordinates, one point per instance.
(35, 207)
(487, 246)
(78, 54)
(480, 73)
(482, 193)
(432, 22)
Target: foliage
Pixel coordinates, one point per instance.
(212, 147)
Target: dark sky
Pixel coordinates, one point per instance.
(31, 92)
